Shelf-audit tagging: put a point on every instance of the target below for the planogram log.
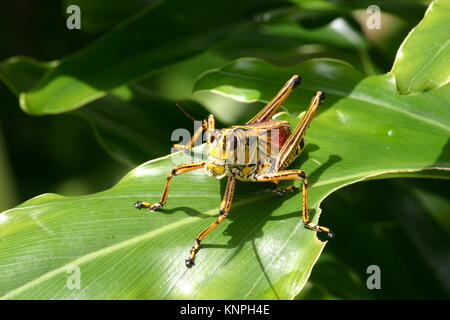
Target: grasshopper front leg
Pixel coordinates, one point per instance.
(207, 125)
(191, 144)
(174, 172)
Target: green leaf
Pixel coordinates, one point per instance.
(285, 42)
(21, 73)
(364, 131)
(163, 33)
(337, 33)
(131, 123)
(100, 16)
(317, 12)
(144, 252)
(138, 126)
(423, 60)
(393, 133)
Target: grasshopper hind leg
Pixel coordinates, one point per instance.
(295, 174)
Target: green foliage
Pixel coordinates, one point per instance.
(124, 121)
(404, 226)
(163, 33)
(122, 84)
(423, 60)
(144, 252)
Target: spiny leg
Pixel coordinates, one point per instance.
(272, 107)
(223, 212)
(290, 148)
(295, 174)
(175, 171)
(309, 224)
(207, 125)
(194, 138)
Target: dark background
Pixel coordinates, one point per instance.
(404, 223)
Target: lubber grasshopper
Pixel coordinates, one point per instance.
(258, 151)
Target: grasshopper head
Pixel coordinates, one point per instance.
(215, 165)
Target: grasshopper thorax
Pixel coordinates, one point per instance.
(245, 151)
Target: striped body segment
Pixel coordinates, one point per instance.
(247, 151)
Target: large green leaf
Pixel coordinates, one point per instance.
(144, 252)
(285, 42)
(364, 131)
(132, 123)
(21, 73)
(163, 33)
(136, 124)
(423, 60)
(390, 132)
(100, 16)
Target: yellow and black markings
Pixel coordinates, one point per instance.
(258, 151)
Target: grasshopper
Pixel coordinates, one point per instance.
(258, 162)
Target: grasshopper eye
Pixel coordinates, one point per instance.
(210, 138)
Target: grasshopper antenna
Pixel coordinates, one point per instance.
(185, 112)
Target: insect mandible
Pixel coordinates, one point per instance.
(259, 151)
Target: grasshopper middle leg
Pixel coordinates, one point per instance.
(223, 212)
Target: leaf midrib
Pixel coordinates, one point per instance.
(422, 69)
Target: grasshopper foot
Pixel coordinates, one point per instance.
(140, 205)
(155, 206)
(314, 227)
(189, 262)
(152, 207)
